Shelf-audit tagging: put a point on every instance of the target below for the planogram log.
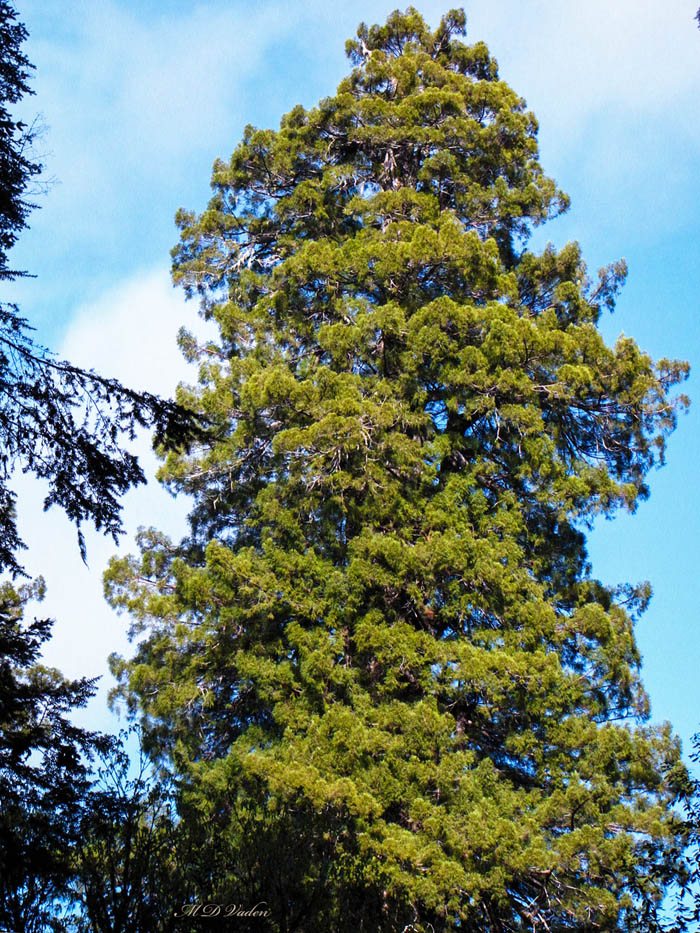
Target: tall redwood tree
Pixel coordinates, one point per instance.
(381, 649)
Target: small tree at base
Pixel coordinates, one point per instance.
(382, 632)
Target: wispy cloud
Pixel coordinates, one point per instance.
(639, 56)
(615, 88)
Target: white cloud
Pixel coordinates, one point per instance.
(156, 87)
(614, 84)
(130, 332)
(579, 58)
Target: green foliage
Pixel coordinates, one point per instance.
(382, 634)
(687, 914)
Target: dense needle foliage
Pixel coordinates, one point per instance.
(380, 653)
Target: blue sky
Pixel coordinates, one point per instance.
(140, 96)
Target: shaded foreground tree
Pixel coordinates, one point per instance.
(382, 637)
(66, 425)
(139, 866)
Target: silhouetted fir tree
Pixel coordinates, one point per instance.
(381, 648)
(65, 425)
